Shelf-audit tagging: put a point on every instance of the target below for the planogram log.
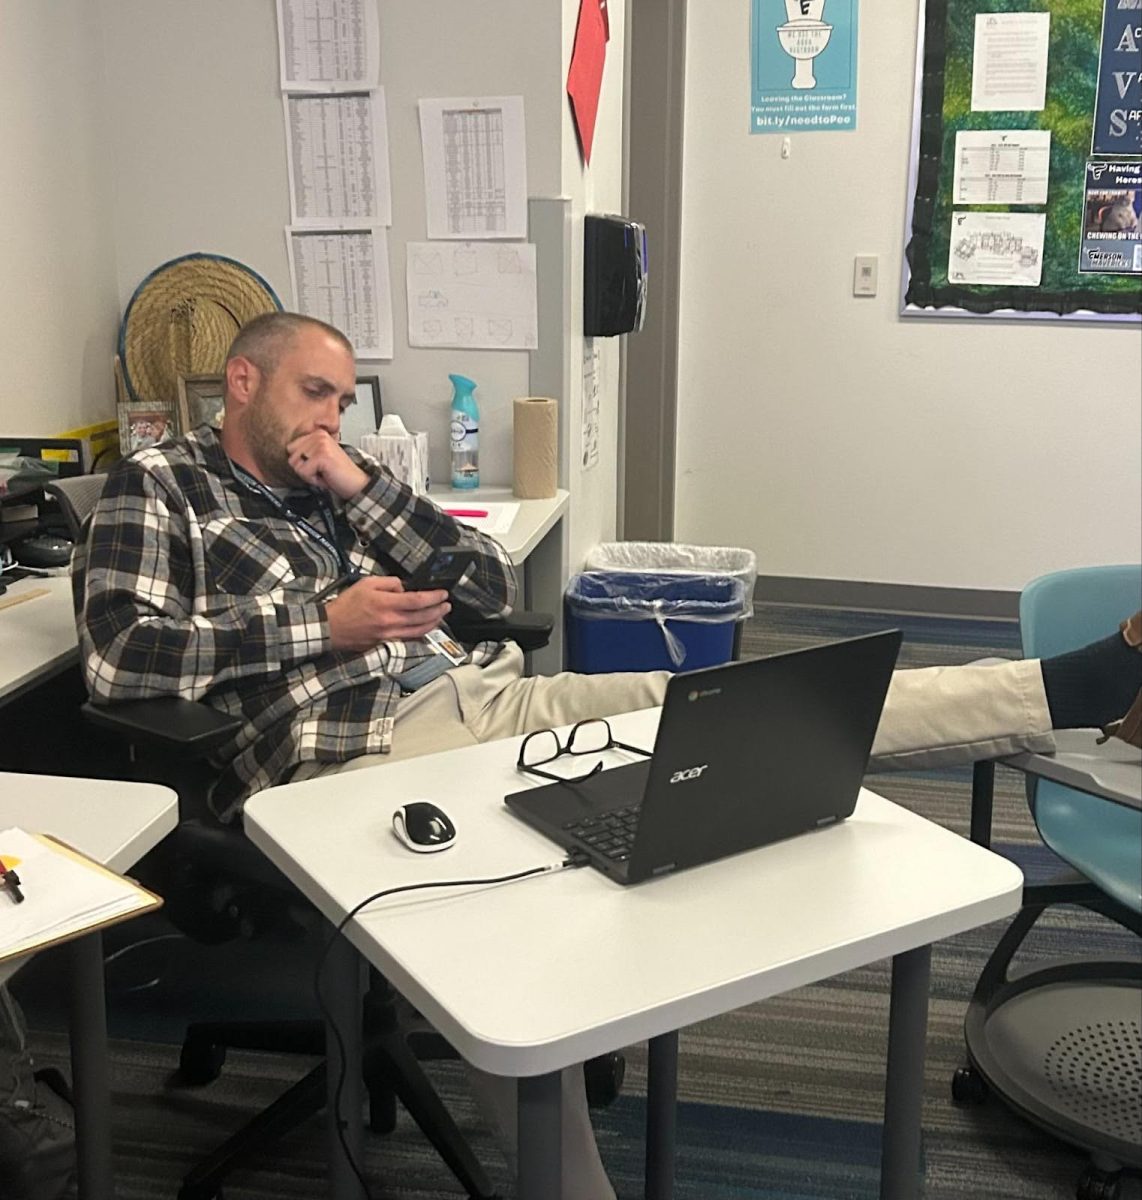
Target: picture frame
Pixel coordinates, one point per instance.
(143, 424)
(200, 401)
(364, 416)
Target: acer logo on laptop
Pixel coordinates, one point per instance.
(689, 773)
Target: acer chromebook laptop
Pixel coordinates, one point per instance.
(746, 754)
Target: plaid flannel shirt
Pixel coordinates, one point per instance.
(191, 584)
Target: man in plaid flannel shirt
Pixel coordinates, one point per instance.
(206, 553)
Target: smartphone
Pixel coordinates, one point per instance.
(443, 570)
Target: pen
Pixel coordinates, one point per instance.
(11, 881)
(466, 512)
(335, 586)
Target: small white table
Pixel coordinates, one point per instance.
(537, 541)
(115, 823)
(37, 635)
(527, 978)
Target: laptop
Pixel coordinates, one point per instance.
(746, 754)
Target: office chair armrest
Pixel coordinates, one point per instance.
(167, 722)
(529, 630)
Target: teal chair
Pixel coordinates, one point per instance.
(1057, 613)
(1062, 1043)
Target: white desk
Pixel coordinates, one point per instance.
(115, 823)
(538, 542)
(37, 636)
(527, 978)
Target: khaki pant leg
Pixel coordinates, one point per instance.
(427, 722)
(949, 716)
(498, 702)
(584, 1177)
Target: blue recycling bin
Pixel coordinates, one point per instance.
(650, 621)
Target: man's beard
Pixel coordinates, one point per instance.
(267, 439)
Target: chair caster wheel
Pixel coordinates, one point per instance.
(604, 1079)
(198, 1064)
(1098, 1185)
(968, 1086)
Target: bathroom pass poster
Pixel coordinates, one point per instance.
(803, 65)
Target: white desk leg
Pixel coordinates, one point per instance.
(661, 1115)
(343, 998)
(90, 1076)
(541, 1137)
(904, 1082)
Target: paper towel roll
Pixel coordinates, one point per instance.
(535, 450)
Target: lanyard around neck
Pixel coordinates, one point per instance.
(327, 540)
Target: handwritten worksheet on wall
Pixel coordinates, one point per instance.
(472, 294)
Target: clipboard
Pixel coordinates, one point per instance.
(133, 901)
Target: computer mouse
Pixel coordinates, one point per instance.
(43, 550)
(423, 827)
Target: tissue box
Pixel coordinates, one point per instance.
(404, 454)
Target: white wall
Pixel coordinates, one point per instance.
(59, 309)
(594, 491)
(824, 432)
(199, 148)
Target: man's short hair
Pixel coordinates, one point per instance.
(264, 338)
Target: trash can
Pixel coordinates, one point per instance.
(644, 606)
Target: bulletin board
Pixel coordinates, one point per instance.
(1077, 233)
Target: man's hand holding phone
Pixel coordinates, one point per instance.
(378, 609)
(446, 566)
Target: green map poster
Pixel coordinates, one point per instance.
(1057, 222)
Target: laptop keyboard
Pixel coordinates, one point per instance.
(610, 833)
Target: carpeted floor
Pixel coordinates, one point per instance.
(779, 1101)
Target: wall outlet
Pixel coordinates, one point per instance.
(865, 268)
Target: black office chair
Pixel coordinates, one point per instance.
(76, 496)
(218, 886)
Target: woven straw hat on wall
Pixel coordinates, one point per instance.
(182, 319)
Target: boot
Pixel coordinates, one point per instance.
(1129, 729)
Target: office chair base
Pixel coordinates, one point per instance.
(1062, 1046)
(304, 1100)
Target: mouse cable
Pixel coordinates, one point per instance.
(574, 860)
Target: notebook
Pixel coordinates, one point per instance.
(746, 754)
(65, 894)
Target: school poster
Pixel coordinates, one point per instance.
(803, 66)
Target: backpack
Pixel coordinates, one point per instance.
(37, 1125)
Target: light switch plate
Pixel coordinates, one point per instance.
(865, 268)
